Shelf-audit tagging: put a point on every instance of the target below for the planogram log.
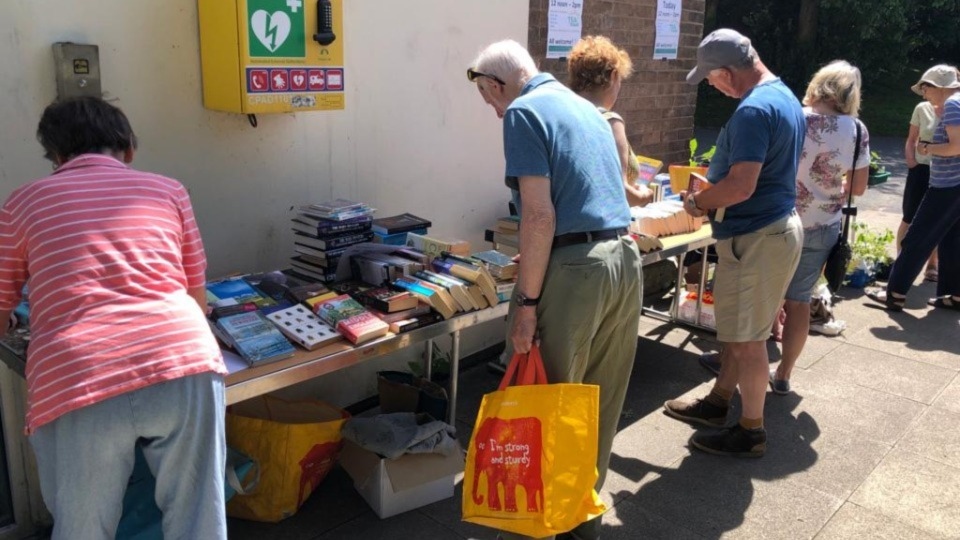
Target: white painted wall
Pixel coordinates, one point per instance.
(415, 135)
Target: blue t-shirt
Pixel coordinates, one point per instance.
(768, 127)
(945, 171)
(550, 131)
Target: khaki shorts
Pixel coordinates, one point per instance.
(753, 272)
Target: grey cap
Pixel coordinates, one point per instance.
(723, 47)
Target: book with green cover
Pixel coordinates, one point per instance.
(338, 308)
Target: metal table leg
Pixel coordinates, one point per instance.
(454, 375)
(428, 363)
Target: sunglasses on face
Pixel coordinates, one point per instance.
(472, 75)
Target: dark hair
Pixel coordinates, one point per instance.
(74, 126)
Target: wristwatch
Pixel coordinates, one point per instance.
(522, 300)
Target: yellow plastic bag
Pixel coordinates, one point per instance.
(296, 444)
(532, 462)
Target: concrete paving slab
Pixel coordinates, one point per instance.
(701, 494)
(406, 525)
(914, 490)
(630, 521)
(853, 522)
(331, 505)
(887, 373)
(949, 399)
(928, 437)
(818, 347)
(448, 514)
(863, 412)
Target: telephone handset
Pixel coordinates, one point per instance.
(324, 35)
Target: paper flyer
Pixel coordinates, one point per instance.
(564, 26)
(667, 39)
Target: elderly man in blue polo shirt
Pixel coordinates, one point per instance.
(578, 289)
(759, 236)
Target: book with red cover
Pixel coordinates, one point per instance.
(362, 327)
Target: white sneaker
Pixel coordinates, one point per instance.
(829, 328)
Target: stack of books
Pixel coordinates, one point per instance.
(393, 230)
(500, 265)
(505, 237)
(323, 231)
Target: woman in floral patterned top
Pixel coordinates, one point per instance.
(825, 176)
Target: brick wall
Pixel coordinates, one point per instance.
(657, 104)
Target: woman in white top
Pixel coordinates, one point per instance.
(825, 176)
(922, 124)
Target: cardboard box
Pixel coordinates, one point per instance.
(393, 486)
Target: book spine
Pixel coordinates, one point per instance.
(348, 240)
(413, 323)
(328, 229)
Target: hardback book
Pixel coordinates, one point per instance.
(420, 309)
(283, 287)
(235, 290)
(328, 254)
(426, 294)
(387, 300)
(327, 243)
(304, 328)
(362, 328)
(373, 271)
(337, 309)
(509, 223)
(329, 263)
(500, 265)
(399, 224)
(432, 247)
(313, 272)
(404, 265)
(327, 227)
(254, 337)
(396, 239)
(458, 292)
(412, 323)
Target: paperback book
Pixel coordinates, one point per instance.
(337, 210)
(254, 337)
(412, 323)
(500, 265)
(387, 300)
(235, 290)
(304, 328)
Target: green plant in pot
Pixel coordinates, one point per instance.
(701, 160)
(878, 173)
(871, 254)
(440, 366)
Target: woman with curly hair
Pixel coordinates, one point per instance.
(596, 69)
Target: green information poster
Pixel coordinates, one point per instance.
(276, 28)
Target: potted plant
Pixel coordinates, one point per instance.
(680, 173)
(878, 173)
(440, 366)
(871, 257)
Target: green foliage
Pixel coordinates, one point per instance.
(702, 159)
(870, 246)
(440, 366)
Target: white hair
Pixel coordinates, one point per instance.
(507, 60)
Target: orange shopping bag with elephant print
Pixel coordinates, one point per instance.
(532, 462)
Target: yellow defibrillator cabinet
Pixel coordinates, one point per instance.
(271, 56)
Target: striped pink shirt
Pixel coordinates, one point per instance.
(109, 254)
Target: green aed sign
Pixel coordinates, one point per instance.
(276, 28)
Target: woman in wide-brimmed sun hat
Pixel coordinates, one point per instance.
(937, 221)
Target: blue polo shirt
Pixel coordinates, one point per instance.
(550, 131)
(768, 127)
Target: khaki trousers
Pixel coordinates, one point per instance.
(587, 323)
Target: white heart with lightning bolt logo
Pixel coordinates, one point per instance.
(272, 29)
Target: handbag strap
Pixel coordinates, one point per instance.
(853, 169)
(525, 369)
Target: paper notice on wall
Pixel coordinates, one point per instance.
(667, 39)
(564, 26)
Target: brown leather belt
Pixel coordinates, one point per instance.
(574, 238)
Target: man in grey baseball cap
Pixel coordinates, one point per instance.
(753, 175)
(722, 48)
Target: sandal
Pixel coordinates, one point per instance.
(932, 274)
(888, 300)
(946, 302)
